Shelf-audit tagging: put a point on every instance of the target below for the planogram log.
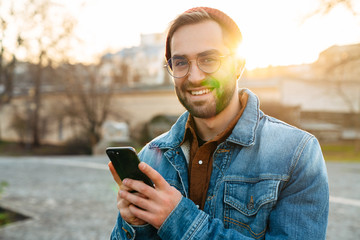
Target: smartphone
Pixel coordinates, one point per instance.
(125, 162)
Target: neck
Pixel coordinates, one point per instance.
(208, 128)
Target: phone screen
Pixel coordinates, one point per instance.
(126, 161)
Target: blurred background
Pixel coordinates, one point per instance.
(78, 76)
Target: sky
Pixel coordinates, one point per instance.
(275, 32)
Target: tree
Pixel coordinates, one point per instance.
(326, 6)
(89, 95)
(52, 28)
(336, 68)
(42, 31)
(8, 58)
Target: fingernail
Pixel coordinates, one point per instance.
(142, 166)
(125, 181)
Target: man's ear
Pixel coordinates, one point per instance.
(240, 67)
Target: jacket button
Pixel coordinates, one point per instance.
(250, 205)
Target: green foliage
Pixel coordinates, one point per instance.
(4, 218)
(3, 185)
(341, 152)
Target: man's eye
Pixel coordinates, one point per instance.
(180, 63)
(208, 60)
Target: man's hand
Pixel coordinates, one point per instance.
(122, 204)
(152, 205)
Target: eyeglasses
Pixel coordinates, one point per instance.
(179, 66)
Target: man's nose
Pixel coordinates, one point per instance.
(195, 73)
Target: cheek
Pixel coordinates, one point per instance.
(226, 71)
(225, 78)
(180, 84)
(179, 88)
(177, 83)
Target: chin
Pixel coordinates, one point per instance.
(202, 113)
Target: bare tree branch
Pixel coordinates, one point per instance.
(326, 6)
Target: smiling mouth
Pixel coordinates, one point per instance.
(200, 92)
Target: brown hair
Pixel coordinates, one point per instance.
(199, 14)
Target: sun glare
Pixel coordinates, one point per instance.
(288, 38)
(273, 34)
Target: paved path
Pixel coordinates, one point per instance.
(68, 198)
(344, 217)
(74, 198)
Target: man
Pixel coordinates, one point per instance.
(225, 170)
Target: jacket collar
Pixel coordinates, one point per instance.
(243, 133)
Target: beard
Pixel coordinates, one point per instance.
(222, 93)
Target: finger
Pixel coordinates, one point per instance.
(155, 177)
(125, 188)
(141, 213)
(114, 173)
(122, 189)
(122, 203)
(135, 199)
(127, 215)
(140, 187)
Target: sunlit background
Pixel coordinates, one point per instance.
(278, 32)
(77, 76)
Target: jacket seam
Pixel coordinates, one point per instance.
(177, 171)
(297, 156)
(197, 225)
(246, 226)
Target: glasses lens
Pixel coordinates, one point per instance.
(178, 66)
(209, 63)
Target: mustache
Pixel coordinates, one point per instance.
(209, 82)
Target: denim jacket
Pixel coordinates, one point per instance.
(269, 181)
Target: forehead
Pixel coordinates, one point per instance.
(192, 39)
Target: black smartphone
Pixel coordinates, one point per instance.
(125, 162)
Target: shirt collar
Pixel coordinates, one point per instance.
(242, 134)
(190, 128)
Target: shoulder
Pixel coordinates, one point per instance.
(281, 131)
(287, 135)
(286, 143)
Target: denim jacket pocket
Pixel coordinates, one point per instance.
(248, 204)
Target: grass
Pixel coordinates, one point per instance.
(7, 216)
(17, 149)
(341, 152)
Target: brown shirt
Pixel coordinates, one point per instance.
(200, 164)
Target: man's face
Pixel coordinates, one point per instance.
(204, 95)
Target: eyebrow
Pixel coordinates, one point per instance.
(205, 53)
(209, 52)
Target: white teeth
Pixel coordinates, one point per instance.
(200, 92)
